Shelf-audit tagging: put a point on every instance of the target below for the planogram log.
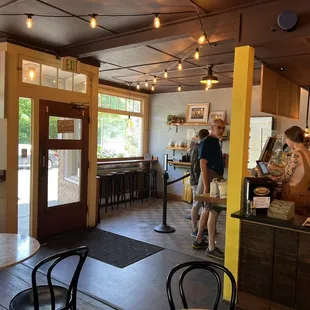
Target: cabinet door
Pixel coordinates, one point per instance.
(256, 259)
(295, 101)
(303, 273)
(285, 267)
(284, 97)
(269, 85)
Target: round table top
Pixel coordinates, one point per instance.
(16, 248)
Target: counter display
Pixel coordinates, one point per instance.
(274, 265)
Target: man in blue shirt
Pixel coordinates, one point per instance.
(212, 166)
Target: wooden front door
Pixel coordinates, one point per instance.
(63, 168)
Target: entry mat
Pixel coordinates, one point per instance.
(105, 246)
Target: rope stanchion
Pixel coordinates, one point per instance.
(164, 228)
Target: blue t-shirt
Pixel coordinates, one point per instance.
(210, 149)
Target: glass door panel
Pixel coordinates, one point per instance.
(64, 184)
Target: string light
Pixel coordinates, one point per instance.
(179, 88)
(29, 22)
(154, 79)
(203, 38)
(138, 86)
(153, 87)
(166, 74)
(146, 83)
(156, 21)
(306, 132)
(207, 88)
(197, 54)
(180, 65)
(93, 21)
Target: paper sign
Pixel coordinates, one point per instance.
(261, 202)
(65, 126)
(24, 153)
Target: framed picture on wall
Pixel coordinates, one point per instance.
(197, 112)
(217, 115)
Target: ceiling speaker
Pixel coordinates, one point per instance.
(287, 21)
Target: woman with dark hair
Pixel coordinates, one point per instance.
(296, 177)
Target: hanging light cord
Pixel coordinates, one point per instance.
(308, 107)
(98, 15)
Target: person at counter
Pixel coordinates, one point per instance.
(212, 166)
(296, 176)
(194, 178)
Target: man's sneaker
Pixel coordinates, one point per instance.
(199, 245)
(195, 233)
(215, 253)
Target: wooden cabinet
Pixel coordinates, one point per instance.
(279, 96)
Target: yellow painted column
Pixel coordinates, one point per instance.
(238, 155)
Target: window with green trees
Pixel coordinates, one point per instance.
(119, 127)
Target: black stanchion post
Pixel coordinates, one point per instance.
(164, 228)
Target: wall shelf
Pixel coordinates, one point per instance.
(179, 164)
(176, 149)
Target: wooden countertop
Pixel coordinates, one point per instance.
(129, 161)
(262, 219)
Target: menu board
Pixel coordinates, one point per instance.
(260, 130)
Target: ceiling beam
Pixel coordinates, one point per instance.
(218, 29)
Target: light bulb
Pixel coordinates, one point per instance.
(156, 21)
(153, 87)
(130, 123)
(179, 88)
(146, 83)
(306, 132)
(166, 74)
(93, 21)
(197, 54)
(207, 88)
(154, 79)
(202, 39)
(138, 86)
(180, 65)
(29, 21)
(32, 73)
(209, 83)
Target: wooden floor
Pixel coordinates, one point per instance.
(18, 278)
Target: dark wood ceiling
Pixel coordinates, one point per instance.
(129, 49)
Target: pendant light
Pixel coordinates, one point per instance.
(209, 79)
(130, 123)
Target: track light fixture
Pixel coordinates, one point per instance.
(156, 21)
(209, 79)
(180, 67)
(166, 74)
(29, 22)
(196, 55)
(93, 20)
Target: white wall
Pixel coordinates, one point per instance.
(176, 103)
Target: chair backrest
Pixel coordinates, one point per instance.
(81, 252)
(209, 266)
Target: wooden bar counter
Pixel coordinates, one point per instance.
(274, 263)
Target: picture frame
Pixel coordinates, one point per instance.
(197, 113)
(217, 115)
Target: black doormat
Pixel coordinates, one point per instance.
(105, 246)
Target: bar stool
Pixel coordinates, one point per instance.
(105, 190)
(153, 183)
(142, 184)
(119, 187)
(129, 185)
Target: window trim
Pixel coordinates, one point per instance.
(144, 98)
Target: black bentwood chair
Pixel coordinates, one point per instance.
(209, 266)
(50, 296)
